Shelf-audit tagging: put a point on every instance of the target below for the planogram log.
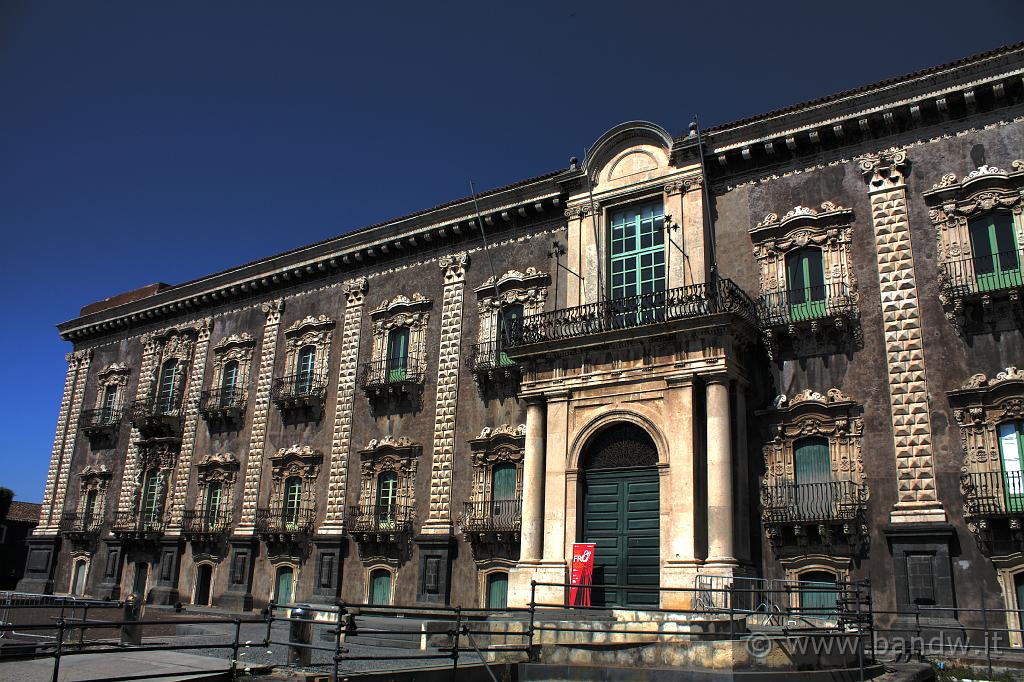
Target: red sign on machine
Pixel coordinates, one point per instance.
(582, 573)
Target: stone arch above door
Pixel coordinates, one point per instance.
(583, 438)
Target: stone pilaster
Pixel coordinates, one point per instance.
(70, 436)
(130, 473)
(341, 441)
(721, 547)
(917, 499)
(47, 522)
(260, 414)
(196, 377)
(439, 518)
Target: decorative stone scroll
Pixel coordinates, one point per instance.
(341, 440)
(113, 377)
(261, 408)
(439, 518)
(500, 445)
(528, 289)
(917, 499)
(309, 331)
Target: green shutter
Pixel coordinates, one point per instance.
(283, 592)
(307, 361)
(212, 504)
(228, 382)
(398, 354)
(818, 594)
(168, 386)
(292, 499)
(805, 273)
(151, 498)
(996, 257)
(1011, 453)
(497, 590)
(380, 587)
(503, 486)
(813, 473)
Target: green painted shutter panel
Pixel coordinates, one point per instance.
(818, 594)
(504, 485)
(380, 588)
(398, 353)
(996, 257)
(510, 314)
(805, 274)
(283, 592)
(1011, 452)
(638, 250)
(292, 499)
(497, 590)
(813, 474)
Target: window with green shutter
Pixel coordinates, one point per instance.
(510, 315)
(503, 491)
(292, 500)
(304, 372)
(1011, 453)
(805, 275)
(229, 380)
(996, 253)
(109, 403)
(151, 489)
(213, 494)
(89, 508)
(812, 469)
(283, 585)
(166, 398)
(398, 354)
(638, 250)
(380, 587)
(387, 498)
(497, 590)
(818, 593)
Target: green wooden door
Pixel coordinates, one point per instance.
(996, 254)
(1011, 452)
(806, 274)
(620, 515)
(380, 587)
(818, 594)
(813, 473)
(398, 353)
(283, 586)
(497, 590)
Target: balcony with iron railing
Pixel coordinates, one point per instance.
(813, 503)
(489, 362)
(222, 404)
(157, 417)
(805, 306)
(302, 390)
(392, 375)
(492, 519)
(146, 525)
(102, 423)
(204, 524)
(285, 524)
(381, 522)
(978, 276)
(80, 527)
(620, 319)
(993, 494)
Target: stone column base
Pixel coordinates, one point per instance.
(679, 574)
(433, 581)
(40, 564)
(542, 572)
(238, 596)
(110, 585)
(165, 591)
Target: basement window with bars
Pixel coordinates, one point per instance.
(921, 579)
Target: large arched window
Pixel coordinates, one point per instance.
(283, 583)
(167, 398)
(78, 577)
(305, 370)
(229, 383)
(292, 500)
(805, 279)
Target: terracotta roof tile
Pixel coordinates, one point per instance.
(24, 511)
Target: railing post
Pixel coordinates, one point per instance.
(131, 632)
(984, 624)
(234, 649)
(343, 617)
(60, 645)
(533, 613)
(455, 644)
(300, 632)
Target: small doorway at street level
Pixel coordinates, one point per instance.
(620, 513)
(140, 580)
(204, 577)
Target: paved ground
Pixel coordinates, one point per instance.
(123, 666)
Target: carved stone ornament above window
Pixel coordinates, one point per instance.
(210, 516)
(302, 390)
(82, 526)
(835, 499)
(807, 318)
(226, 401)
(382, 521)
(383, 377)
(979, 291)
(102, 423)
(286, 522)
(992, 507)
(492, 519)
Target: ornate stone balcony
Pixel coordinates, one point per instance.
(223, 404)
(300, 391)
(816, 507)
(285, 525)
(146, 526)
(694, 306)
(808, 318)
(381, 523)
(492, 366)
(971, 287)
(157, 417)
(388, 377)
(80, 529)
(492, 521)
(100, 426)
(204, 524)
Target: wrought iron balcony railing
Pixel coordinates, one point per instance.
(285, 523)
(491, 357)
(150, 523)
(993, 493)
(205, 522)
(793, 306)
(492, 516)
(383, 375)
(306, 389)
(981, 275)
(387, 519)
(222, 403)
(691, 302)
(157, 416)
(832, 501)
(73, 523)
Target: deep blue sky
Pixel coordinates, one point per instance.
(145, 141)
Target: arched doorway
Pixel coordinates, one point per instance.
(204, 576)
(620, 514)
(283, 585)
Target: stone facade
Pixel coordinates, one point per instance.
(721, 376)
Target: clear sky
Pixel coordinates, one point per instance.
(148, 141)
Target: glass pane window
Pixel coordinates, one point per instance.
(168, 387)
(292, 499)
(996, 253)
(637, 250)
(89, 508)
(398, 353)
(387, 495)
(1011, 453)
(151, 497)
(109, 403)
(507, 320)
(229, 381)
(213, 495)
(805, 279)
(304, 372)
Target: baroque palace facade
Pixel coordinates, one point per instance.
(787, 348)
